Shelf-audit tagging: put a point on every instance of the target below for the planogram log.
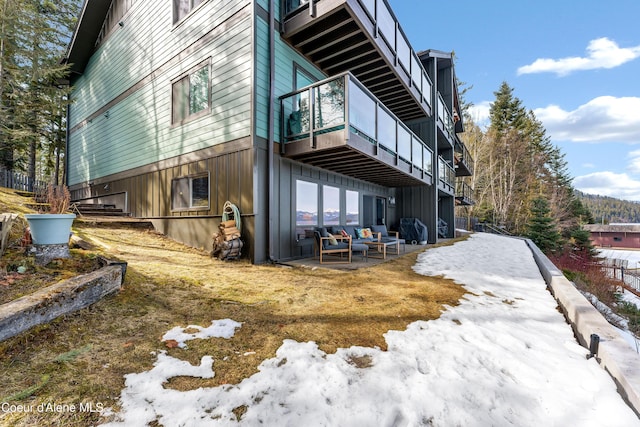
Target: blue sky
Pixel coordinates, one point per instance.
(576, 64)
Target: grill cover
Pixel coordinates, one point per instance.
(413, 230)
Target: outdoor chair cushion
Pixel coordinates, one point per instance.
(353, 232)
(322, 232)
(382, 229)
(364, 233)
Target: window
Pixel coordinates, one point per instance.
(190, 95)
(190, 192)
(353, 207)
(306, 203)
(330, 205)
(181, 8)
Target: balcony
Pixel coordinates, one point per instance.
(463, 161)
(338, 125)
(446, 176)
(364, 38)
(445, 124)
(464, 194)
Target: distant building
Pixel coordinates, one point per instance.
(625, 236)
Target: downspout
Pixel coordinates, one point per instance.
(271, 130)
(65, 175)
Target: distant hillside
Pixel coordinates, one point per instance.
(607, 209)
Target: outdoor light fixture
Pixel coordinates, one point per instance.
(392, 201)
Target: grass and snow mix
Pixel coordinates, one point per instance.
(503, 356)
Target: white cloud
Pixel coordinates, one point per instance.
(603, 119)
(618, 185)
(634, 162)
(480, 113)
(601, 53)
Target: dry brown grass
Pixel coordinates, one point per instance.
(82, 357)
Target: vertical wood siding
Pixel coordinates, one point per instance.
(285, 222)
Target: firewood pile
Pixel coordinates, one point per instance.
(226, 242)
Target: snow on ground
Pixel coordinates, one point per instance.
(504, 356)
(633, 261)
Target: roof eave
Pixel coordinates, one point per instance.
(86, 33)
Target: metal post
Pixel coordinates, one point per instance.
(593, 345)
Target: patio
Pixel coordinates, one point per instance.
(357, 261)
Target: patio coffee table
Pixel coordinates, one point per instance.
(380, 247)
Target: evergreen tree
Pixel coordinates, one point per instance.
(33, 38)
(541, 228)
(581, 241)
(507, 112)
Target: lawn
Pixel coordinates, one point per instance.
(81, 358)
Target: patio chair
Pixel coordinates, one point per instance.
(328, 244)
(443, 228)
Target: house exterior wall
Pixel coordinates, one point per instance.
(616, 239)
(131, 74)
(288, 244)
(124, 149)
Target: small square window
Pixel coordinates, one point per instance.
(190, 192)
(190, 95)
(182, 8)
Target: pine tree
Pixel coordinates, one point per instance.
(33, 38)
(541, 228)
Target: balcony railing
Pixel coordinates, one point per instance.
(373, 18)
(464, 161)
(464, 193)
(343, 104)
(446, 175)
(444, 117)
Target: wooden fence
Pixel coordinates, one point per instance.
(19, 181)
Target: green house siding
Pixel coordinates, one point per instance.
(147, 41)
(135, 128)
(286, 57)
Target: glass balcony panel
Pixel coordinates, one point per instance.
(416, 73)
(370, 6)
(403, 51)
(446, 173)
(329, 104)
(426, 88)
(386, 130)
(444, 116)
(441, 110)
(416, 153)
(427, 163)
(296, 110)
(291, 5)
(387, 25)
(404, 144)
(362, 111)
